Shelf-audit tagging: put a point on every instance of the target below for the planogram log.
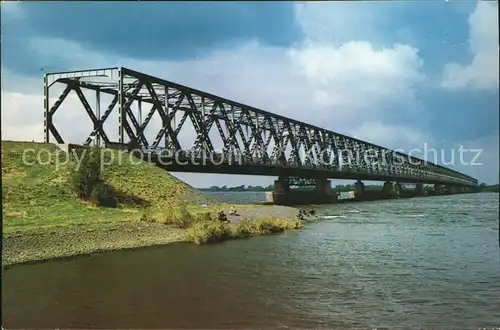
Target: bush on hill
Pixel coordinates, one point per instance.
(87, 181)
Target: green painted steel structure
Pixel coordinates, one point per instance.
(254, 141)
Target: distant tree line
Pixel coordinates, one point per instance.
(489, 188)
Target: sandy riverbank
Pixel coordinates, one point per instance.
(278, 211)
(68, 241)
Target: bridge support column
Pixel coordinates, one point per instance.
(284, 195)
(323, 186)
(280, 192)
(419, 189)
(438, 189)
(397, 188)
(450, 190)
(281, 186)
(471, 190)
(389, 190)
(359, 190)
(407, 192)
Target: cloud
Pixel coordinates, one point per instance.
(388, 75)
(12, 9)
(314, 83)
(392, 136)
(17, 125)
(283, 81)
(151, 30)
(480, 158)
(482, 72)
(352, 84)
(324, 22)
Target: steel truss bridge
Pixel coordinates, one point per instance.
(248, 134)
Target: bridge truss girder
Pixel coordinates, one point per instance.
(244, 130)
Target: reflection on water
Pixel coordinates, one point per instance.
(430, 262)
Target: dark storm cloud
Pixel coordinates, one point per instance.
(144, 30)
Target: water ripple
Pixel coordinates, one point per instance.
(409, 263)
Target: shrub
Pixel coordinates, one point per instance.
(296, 224)
(181, 218)
(204, 217)
(265, 226)
(272, 226)
(98, 193)
(86, 179)
(102, 196)
(206, 233)
(247, 228)
(88, 173)
(147, 217)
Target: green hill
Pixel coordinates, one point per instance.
(37, 193)
(44, 218)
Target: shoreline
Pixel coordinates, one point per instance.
(66, 242)
(70, 241)
(46, 244)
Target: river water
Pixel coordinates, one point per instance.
(423, 262)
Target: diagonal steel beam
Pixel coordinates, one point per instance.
(90, 112)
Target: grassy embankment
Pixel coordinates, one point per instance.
(43, 218)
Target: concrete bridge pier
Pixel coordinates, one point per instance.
(284, 195)
(398, 189)
(390, 190)
(359, 190)
(410, 193)
(438, 189)
(387, 188)
(470, 190)
(281, 186)
(459, 190)
(323, 186)
(450, 190)
(419, 189)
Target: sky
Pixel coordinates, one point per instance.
(408, 75)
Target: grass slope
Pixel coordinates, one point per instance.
(44, 219)
(37, 195)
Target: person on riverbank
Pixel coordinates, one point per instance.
(232, 211)
(222, 217)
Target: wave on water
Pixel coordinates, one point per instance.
(333, 216)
